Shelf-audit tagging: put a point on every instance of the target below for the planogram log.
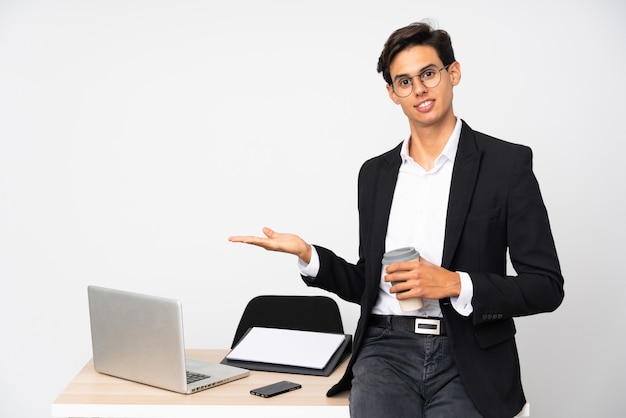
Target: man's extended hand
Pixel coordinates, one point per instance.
(275, 241)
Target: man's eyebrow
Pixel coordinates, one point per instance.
(420, 72)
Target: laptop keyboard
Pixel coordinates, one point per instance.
(194, 377)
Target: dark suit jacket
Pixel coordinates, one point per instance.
(494, 205)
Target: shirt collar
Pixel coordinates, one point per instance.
(448, 152)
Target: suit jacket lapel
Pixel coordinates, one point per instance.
(385, 188)
(464, 176)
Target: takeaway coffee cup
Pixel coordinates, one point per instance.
(404, 254)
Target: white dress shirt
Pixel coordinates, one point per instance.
(417, 219)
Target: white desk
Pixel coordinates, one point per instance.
(92, 394)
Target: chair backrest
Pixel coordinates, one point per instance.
(307, 313)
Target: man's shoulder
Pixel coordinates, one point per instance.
(387, 158)
(490, 144)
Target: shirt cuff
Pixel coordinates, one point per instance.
(311, 269)
(463, 303)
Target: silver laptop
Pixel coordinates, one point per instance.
(140, 338)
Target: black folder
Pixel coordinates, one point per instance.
(341, 354)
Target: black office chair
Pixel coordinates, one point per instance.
(307, 313)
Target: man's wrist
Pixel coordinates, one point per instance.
(456, 285)
(463, 303)
(305, 255)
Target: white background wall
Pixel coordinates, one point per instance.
(136, 136)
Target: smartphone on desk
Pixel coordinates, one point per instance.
(275, 389)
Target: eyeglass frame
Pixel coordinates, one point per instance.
(410, 79)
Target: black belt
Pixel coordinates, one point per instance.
(433, 326)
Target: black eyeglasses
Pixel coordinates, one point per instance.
(430, 78)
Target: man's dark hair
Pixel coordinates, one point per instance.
(415, 34)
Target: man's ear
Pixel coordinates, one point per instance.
(392, 95)
(455, 72)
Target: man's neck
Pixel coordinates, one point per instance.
(427, 143)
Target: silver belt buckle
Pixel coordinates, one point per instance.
(427, 326)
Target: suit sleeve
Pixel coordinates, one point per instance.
(338, 276)
(538, 285)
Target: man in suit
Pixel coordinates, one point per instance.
(462, 199)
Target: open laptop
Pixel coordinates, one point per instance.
(140, 338)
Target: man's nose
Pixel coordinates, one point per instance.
(418, 87)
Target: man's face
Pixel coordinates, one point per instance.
(424, 106)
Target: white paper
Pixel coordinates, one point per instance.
(287, 347)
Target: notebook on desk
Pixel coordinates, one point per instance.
(140, 338)
(290, 351)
